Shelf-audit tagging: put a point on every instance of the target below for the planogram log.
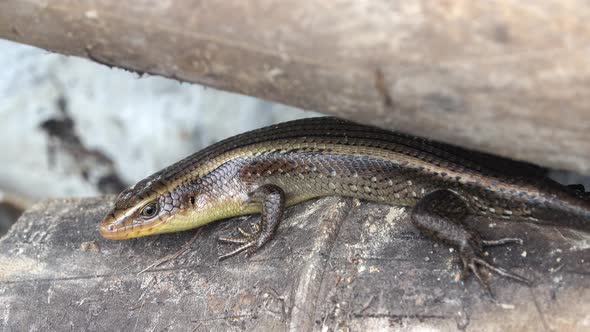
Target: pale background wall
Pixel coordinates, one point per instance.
(140, 123)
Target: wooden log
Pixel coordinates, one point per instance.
(507, 77)
(334, 264)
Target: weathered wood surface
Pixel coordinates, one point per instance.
(509, 77)
(334, 264)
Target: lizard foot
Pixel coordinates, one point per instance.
(441, 215)
(247, 241)
(473, 262)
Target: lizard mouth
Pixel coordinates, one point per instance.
(114, 228)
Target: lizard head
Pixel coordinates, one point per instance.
(150, 207)
(139, 210)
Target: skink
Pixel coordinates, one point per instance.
(266, 170)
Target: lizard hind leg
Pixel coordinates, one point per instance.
(272, 199)
(441, 215)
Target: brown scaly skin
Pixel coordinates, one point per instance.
(265, 170)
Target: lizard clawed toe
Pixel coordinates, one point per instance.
(234, 240)
(248, 247)
(501, 242)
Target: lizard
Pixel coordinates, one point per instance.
(268, 169)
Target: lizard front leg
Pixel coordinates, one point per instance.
(272, 199)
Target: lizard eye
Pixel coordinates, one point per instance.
(150, 210)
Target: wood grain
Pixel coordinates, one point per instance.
(334, 264)
(508, 77)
